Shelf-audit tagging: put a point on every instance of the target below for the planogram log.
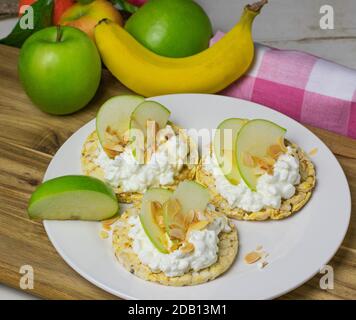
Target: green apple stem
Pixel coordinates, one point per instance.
(59, 33)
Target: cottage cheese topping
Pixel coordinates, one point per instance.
(125, 171)
(271, 189)
(177, 263)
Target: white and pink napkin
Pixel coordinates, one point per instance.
(309, 89)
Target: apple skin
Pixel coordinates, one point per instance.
(59, 7)
(60, 76)
(137, 3)
(86, 16)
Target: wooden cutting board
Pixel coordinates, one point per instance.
(28, 141)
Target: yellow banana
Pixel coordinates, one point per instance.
(149, 74)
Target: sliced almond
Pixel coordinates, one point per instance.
(187, 247)
(174, 207)
(248, 160)
(200, 225)
(106, 227)
(274, 150)
(189, 217)
(111, 154)
(156, 209)
(177, 233)
(263, 164)
(160, 222)
(252, 257)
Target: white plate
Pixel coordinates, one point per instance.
(298, 246)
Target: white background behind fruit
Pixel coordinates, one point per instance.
(294, 25)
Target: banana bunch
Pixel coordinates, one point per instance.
(150, 74)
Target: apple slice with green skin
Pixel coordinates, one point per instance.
(254, 139)
(160, 195)
(148, 220)
(115, 113)
(190, 195)
(146, 120)
(149, 111)
(73, 198)
(224, 147)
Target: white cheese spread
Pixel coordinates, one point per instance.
(178, 263)
(126, 171)
(270, 191)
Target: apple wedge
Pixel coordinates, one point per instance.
(157, 194)
(151, 213)
(258, 143)
(224, 147)
(149, 111)
(192, 196)
(73, 198)
(114, 115)
(178, 210)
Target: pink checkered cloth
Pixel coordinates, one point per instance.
(304, 87)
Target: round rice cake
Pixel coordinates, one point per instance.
(122, 244)
(89, 167)
(288, 206)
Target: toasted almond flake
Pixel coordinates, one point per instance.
(103, 235)
(187, 247)
(106, 227)
(274, 150)
(258, 171)
(252, 257)
(269, 161)
(114, 147)
(173, 207)
(248, 160)
(189, 217)
(313, 152)
(157, 212)
(111, 154)
(160, 222)
(174, 245)
(263, 164)
(177, 234)
(200, 225)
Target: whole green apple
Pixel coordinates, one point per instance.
(60, 69)
(172, 28)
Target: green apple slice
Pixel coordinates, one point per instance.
(254, 140)
(115, 113)
(192, 196)
(160, 195)
(188, 196)
(148, 217)
(73, 198)
(149, 111)
(224, 147)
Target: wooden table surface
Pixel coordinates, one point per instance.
(28, 141)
